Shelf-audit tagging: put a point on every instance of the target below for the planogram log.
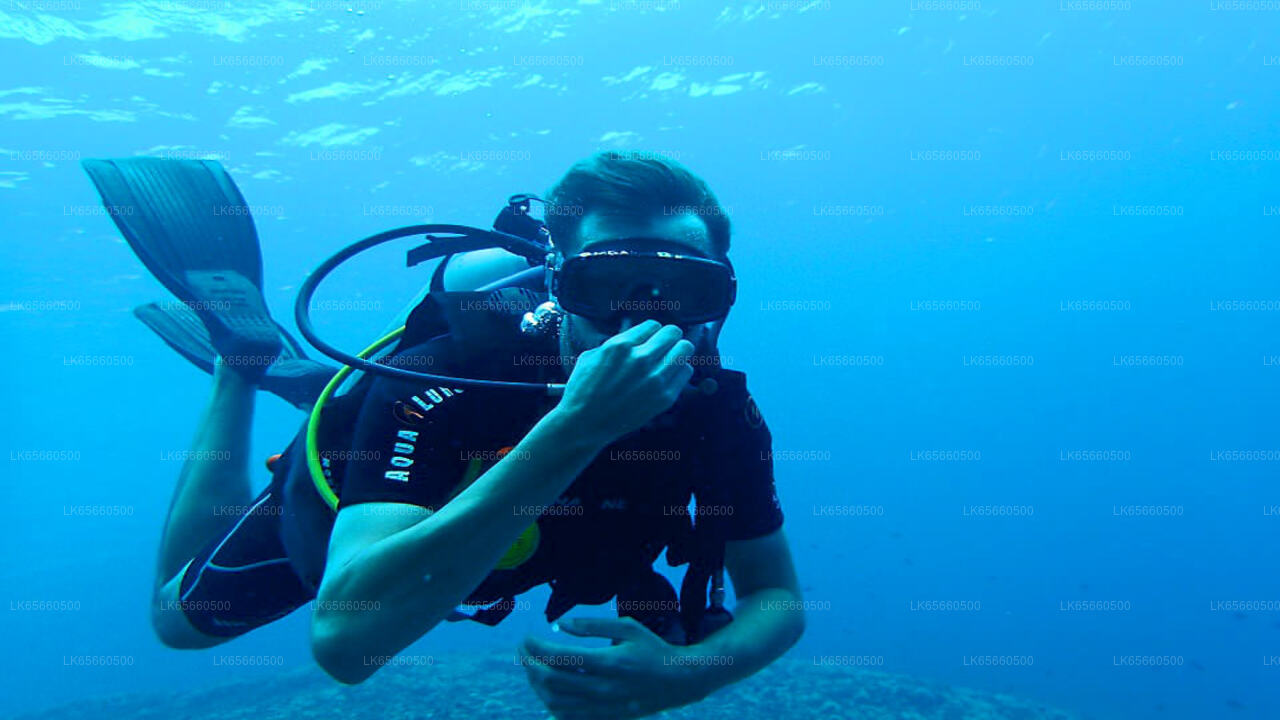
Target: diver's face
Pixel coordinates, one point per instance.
(579, 334)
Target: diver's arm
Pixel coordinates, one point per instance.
(414, 571)
(768, 618)
(414, 575)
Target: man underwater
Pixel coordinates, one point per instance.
(452, 500)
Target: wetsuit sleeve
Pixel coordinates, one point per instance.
(742, 495)
(405, 444)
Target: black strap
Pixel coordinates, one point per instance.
(437, 276)
(652, 601)
(705, 554)
(707, 561)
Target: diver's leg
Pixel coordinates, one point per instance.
(240, 579)
(171, 623)
(214, 481)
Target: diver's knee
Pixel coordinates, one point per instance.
(170, 623)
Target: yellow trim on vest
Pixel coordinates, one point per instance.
(525, 545)
(519, 552)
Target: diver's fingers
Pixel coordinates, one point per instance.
(612, 628)
(572, 686)
(660, 342)
(675, 365)
(635, 335)
(561, 704)
(565, 658)
(573, 696)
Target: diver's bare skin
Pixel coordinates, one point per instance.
(213, 482)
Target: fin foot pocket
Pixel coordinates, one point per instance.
(235, 314)
(293, 376)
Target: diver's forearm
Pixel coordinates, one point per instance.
(416, 577)
(766, 624)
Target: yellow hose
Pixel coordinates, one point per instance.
(313, 423)
(516, 555)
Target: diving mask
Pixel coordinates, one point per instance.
(604, 285)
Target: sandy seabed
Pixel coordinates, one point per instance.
(492, 687)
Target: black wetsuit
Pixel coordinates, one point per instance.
(399, 442)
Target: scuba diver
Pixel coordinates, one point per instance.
(553, 411)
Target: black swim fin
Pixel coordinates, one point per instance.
(292, 376)
(188, 223)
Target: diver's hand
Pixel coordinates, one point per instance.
(619, 386)
(640, 675)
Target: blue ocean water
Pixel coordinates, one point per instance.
(1007, 300)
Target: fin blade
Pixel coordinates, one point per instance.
(179, 216)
